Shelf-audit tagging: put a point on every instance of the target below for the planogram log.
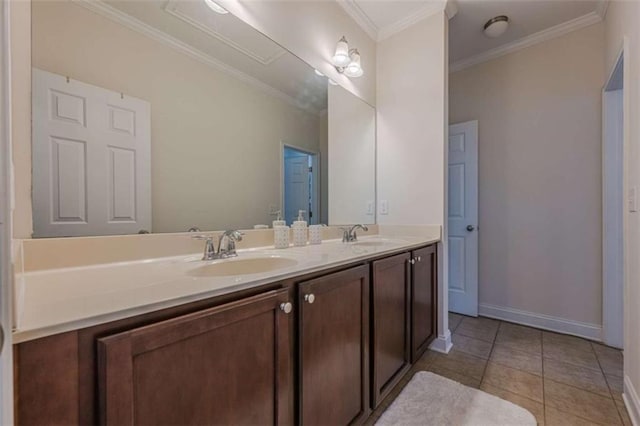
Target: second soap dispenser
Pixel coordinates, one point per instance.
(300, 230)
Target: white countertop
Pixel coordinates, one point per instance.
(59, 300)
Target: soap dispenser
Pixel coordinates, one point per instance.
(279, 221)
(300, 230)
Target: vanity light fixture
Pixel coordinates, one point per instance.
(216, 7)
(495, 27)
(347, 61)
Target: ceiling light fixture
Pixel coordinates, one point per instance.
(495, 27)
(347, 61)
(216, 7)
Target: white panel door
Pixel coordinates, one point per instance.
(296, 186)
(463, 218)
(91, 159)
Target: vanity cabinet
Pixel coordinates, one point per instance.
(391, 323)
(333, 341)
(424, 277)
(316, 349)
(225, 365)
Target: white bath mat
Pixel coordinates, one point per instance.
(429, 399)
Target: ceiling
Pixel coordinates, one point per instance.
(526, 17)
(223, 42)
(383, 18)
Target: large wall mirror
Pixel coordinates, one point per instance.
(165, 116)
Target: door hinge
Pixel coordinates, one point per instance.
(310, 169)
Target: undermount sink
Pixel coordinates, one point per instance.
(233, 267)
(372, 243)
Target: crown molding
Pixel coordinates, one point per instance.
(601, 8)
(531, 40)
(115, 15)
(361, 18)
(428, 10)
(381, 33)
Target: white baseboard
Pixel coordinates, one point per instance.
(546, 322)
(442, 344)
(631, 401)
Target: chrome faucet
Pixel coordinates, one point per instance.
(349, 234)
(229, 239)
(225, 251)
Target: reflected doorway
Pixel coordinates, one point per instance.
(301, 184)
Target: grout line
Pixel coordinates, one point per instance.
(493, 345)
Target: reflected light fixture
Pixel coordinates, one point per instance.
(333, 83)
(318, 73)
(495, 27)
(216, 7)
(347, 61)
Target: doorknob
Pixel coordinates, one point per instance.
(470, 228)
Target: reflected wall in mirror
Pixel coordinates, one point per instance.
(164, 116)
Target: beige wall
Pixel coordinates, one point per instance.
(21, 116)
(623, 22)
(310, 29)
(411, 119)
(216, 141)
(539, 114)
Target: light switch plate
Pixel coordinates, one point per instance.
(633, 199)
(370, 208)
(384, 207)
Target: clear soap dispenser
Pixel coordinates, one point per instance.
(300, 230)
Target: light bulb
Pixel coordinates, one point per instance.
(216, 7)
(354, 69)
(341, 56)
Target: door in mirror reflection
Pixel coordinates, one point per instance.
(301, 184)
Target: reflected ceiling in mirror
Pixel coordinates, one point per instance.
(156, 116)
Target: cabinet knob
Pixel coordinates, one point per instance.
(286, 307)
(309, 298)
(419, 259)
(412, 261)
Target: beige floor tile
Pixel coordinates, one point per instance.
(526, 361)
(525, 343)
(517, 330)
(455, 376)
(570, 341)
(536, 408)
(454, 321)
(624, 414)
(553, 349)
(472, 346)
(610, 360)
(519, 382)
(554, 417)
(580, 403)
(460, 363)
(425, 360)
(574, 375)
(479, 328)
(616, 386)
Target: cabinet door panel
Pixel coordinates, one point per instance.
(334, 343)
(423, 300)
(391, 350)
(225, 365)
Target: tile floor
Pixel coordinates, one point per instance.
(562, 380)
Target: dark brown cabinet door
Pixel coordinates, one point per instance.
(334, 348)
(423, 300)
(225, 365)
(391, 350)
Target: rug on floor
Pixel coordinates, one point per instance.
(429, 399)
